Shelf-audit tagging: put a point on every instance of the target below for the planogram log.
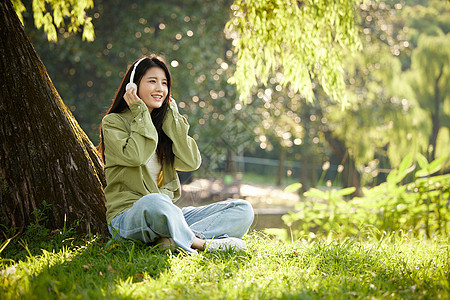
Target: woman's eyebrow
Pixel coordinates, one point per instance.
(154, 77)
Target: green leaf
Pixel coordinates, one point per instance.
(58, 17)
(397, 175)
(392, 177)
(318, 222)
(4, 244)
(19, 8)
(423, 162)
(406, 163)
(346, 191)
(437, 163)
(432, 168)
(88, 30)
(293, 187)
(442, 179)
(315, 193)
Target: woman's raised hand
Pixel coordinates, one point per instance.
(131, 97)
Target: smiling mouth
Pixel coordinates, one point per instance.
(157, 97)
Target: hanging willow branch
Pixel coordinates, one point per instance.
(303, 40)
(73, 11)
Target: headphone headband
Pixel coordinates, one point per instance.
(131, 84)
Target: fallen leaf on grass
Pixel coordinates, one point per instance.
(112, 246)
(139, 278)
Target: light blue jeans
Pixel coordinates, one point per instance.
(155, 216)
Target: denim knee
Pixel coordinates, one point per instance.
(246, 211)
(152, 200)
(157, 210)
(156, 205)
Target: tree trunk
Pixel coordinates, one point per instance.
(435, 115)
(350, 176)
(305, 175)
(45, 157)
(313, 167)
(281, 160)
(230, 164)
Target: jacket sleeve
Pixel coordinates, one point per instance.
(129, 143)
(187, 155)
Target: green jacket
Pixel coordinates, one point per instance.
(130, 138)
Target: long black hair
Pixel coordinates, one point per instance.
(164, 147)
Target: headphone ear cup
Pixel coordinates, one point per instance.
(131, 85)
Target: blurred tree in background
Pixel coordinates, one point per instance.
(387, 115)
(191, 38)
(429, 77)
(386, 119)
(301, 40)
(429, 74)
(383, 122)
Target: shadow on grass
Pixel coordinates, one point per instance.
(90, 269)
(268, 269)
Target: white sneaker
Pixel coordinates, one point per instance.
(225, 244)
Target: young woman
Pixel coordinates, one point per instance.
(144, 140)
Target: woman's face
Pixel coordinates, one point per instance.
(153, 88)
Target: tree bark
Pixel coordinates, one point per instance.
(230, 164)
(281, 169)
(44, 154)
(435, 115)
(305, 174)
(350, 176)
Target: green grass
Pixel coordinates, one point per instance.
(390, 267)
(255, 178)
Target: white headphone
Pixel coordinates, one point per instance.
(131, 84)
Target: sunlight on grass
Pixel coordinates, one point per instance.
(392, 266)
